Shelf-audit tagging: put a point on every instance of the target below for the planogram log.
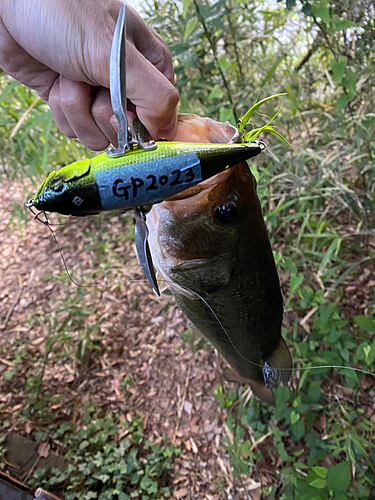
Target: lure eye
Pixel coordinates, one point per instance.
(59, 188)
(226, 213)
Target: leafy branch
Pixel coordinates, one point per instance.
(255, 133)
(213, 48)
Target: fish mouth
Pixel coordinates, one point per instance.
(199, 129)
(191, 203)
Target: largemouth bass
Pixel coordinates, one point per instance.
(210, 242)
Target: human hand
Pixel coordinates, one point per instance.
(61, 49)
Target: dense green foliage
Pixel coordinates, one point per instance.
(318, 204)
(29, 138)
(99, 468)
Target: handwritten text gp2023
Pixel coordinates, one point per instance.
(123, 189)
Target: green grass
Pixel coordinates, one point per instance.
(107, 459)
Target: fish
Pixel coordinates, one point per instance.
(210, 245)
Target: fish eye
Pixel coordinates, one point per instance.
(226, 213)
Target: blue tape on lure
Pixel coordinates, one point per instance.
(169, 176)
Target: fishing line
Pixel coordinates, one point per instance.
(64, 262)
(44, 222)
(96, 286)
(259, 365)
(47, 224)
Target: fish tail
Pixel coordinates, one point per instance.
(230, 375)
(259, 389)
(279, 366)
(261, 392)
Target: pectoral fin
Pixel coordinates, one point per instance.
(259, 389)
(204, 276)
(261, 392)
(143, 248)
(278, 367)
(162, 283)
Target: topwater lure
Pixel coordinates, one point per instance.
(137, 178)
(139, 172)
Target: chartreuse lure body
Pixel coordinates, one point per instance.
(136, 178)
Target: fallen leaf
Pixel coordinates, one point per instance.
(181, 493)
(194, 446)
(366, 382)
(188, 407)
(43, 450)
(6, 362)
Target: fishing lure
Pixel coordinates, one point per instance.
(140, 177)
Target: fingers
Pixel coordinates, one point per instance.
(57, 71)
(153, 95)
(79, 114)
(149, 43)
(102, 113)
(149, 77)
(54, 103)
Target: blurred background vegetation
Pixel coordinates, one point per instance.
(318, 204)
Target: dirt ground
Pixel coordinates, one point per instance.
(141, 339)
